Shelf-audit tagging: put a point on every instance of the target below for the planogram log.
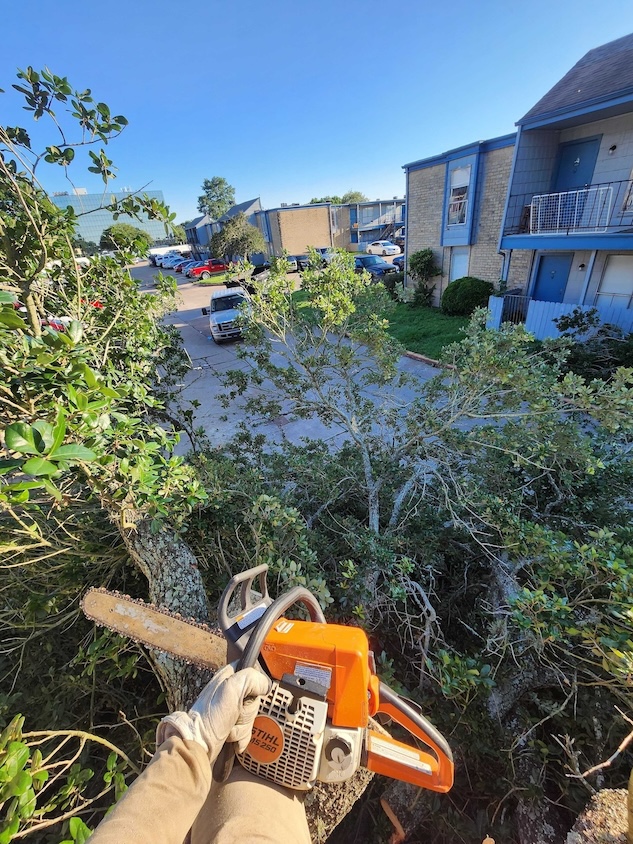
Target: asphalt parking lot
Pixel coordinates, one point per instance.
(209, 361)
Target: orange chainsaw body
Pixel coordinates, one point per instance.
(340, 653)
(339, 658)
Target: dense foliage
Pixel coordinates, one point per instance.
(464, 295)
(349, 197)
(596, 349)
(237, 239)
(422, 268)
(476, 524)
(87, 447)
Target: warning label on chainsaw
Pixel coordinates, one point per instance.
(316, 673)
(267, 740)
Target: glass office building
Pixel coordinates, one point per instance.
(94, 219)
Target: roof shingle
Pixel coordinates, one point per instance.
(605, 71)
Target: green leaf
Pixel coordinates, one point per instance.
(20, 784)
(38, 466)
(16, 758)
(20, 437)
(8, 829)
(59, 431)
(79, 831)
(75, 331)
(11, 320)
(45, 431)
(74, 451)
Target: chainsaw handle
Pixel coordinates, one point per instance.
(272, 614)
(404, 762)
(236, 626)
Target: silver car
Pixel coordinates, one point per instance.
(225, 312)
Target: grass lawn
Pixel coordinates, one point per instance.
(425, 330)
(422, 330)
(216, 278)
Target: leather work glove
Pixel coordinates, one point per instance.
(224, 711)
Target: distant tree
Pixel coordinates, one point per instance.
(217, 197)
(237, 237)
(353, 196)
(335, 200)
(85, 247)
(350, 196)
(124, 237)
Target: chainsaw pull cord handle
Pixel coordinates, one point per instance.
(250, 655)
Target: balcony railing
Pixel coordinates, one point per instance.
(538, 317)
(596, 208)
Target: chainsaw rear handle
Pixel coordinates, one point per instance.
(395, 759)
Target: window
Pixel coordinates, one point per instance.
(616, 287)
(459, 262)
(458, 197)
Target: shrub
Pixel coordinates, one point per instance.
(390, 281)
(422, 295)
(422, 268)
(464, 295)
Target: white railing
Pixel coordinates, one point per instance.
(538, 317)
(572, 212)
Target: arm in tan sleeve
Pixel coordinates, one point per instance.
(162, 804)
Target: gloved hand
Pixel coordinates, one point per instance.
(224, 711)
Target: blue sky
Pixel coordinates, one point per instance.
(291, 99)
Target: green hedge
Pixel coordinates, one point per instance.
(463, 295)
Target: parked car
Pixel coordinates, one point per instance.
(184, 265)
(399, 240)
(327, 253)
(382, 247)
(226, 311)
(293, 266)
(374, 265)
(170, 263)
(208, 268)
(398, 262)
(163, 260)
(303, 262)
(195, 264)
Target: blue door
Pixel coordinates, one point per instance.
(551, 277)
(576, 163)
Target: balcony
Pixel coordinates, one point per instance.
(594, 209)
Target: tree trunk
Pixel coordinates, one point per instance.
(175, 583)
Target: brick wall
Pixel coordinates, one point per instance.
(425, 197)
(299, 228)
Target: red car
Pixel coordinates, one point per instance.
(213, 265)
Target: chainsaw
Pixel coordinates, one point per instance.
(314, 723)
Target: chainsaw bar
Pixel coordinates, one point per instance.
(156, 628)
